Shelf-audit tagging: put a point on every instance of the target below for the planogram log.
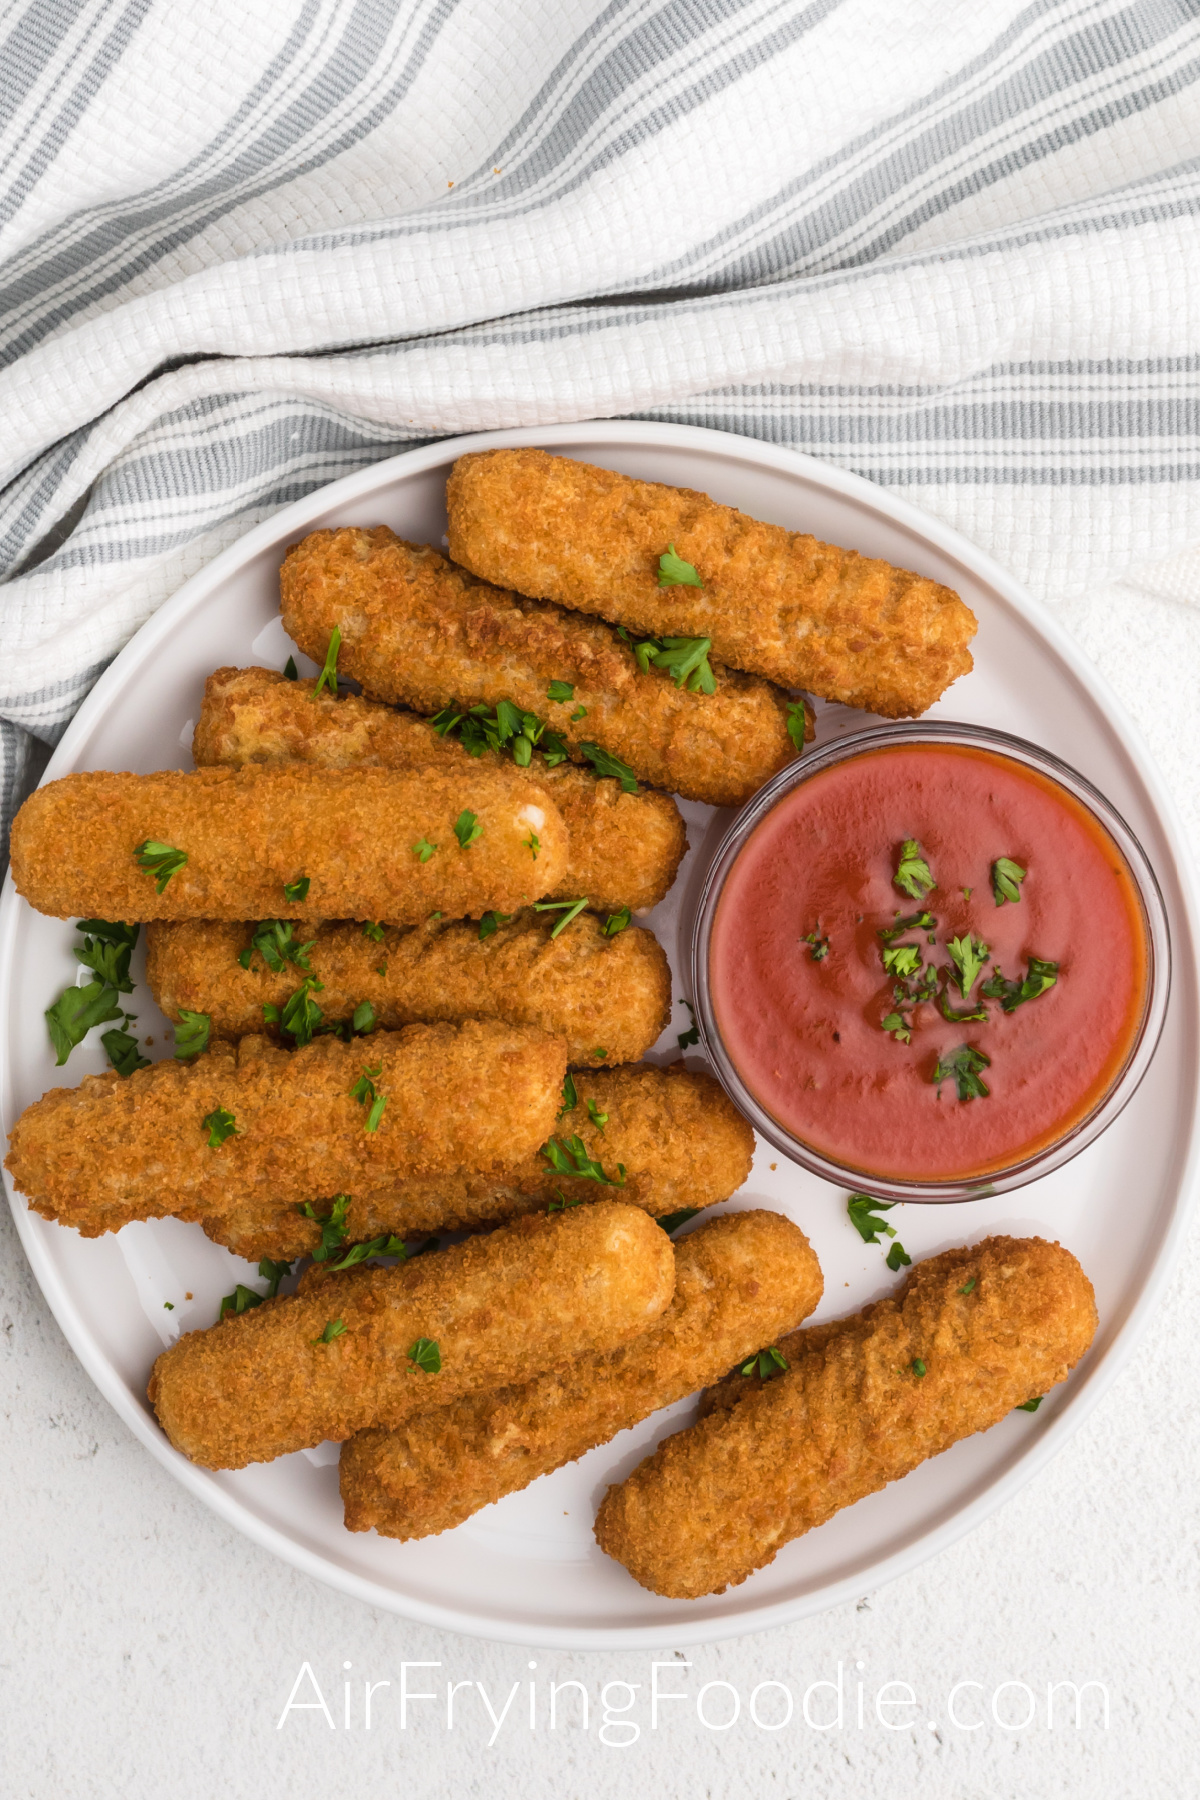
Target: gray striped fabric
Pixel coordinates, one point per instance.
(953, 248)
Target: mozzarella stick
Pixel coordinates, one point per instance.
(416, 629)
(739, 1282)
(370, 1346)
(681, 1142)
(802, 613)
(286, 842)
(256, 1125)
(581, 985)
(972, 1334)
(624, 849)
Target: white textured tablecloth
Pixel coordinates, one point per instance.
(245, 249)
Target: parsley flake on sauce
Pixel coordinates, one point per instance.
(968, 954)
(912, 875)
(334, 1329)
(673, 571)
(899, 1027)
(918, 921)
(1041, 977)
(467, 829)
(328, 676)
(963, 1066)
(1007, 877)
(219, 1124)
(569, 1156)
(297, 890)
(426, 1355)
(159, 860)
(901, 960)
(191, 1034)
(818, 945)
(570, 909)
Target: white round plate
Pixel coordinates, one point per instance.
(527, 1570)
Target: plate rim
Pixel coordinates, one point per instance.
(1096, 1379)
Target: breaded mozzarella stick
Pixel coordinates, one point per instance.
(371, 1346)
(581, 985)
(418, 630)
(287, 843)
(805, 614)
(973, 1333)
(258, 1126)
(739, 1282)
(624, 849)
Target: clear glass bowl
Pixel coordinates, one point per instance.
(1158, 964)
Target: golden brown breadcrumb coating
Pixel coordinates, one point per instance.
(416, 629)
(972, 1334)
(529, 1298)
(682, 1142)
(248, 833)
(114, 1149)
(805, 614)
(739, 1282)
(624, 849)
(581, 985)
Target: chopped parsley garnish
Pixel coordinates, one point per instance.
(899, 1027)
(328, 676)
(74, 1013)
(301, 1016)
(897, 1257)
(570, 1098)
(861, 1209)
(673, 571)
(385, 1245)
(797, 724)
(219, 1124)
(426, 1355)
(912, 875)
(685, 659)
(917, 1367)
(241, 1300)
(297, 890)
(467, 829)
(560, 690)
(598, 1119)
(968, 954)
(533, 844)
(691, 1036)
(168, 1306)
(121, 1049)
(334, 1329)
(363, 1017)
(107, 948)
(569, 1157)
(968, 1287)
(963, 1065)
(507, 727)
(491, 922)
(373, 931)
(333, 1229)
(191, 1033)
(605, 763)
(767, 1362)
(918, 921)
(1041, 977)
(581, 712)
(671, 1222)
(570, 909)
(159, 860)
(971, 1015)
(422, 849)
(1007, 877)
(1031, 1405)
(275, 941)
(290, 671)
(364, 1092)
(902, 960)
(616, 922)
(818, 945)
(561, 1203)
(274, 1273)
(599, 1055)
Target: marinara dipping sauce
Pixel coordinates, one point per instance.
(899, 886)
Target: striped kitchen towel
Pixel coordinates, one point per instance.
(245, 250)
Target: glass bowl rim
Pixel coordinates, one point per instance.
(1158, 950)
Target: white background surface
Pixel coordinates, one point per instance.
(148, 1648)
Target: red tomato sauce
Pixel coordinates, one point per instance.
(806, 1034)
